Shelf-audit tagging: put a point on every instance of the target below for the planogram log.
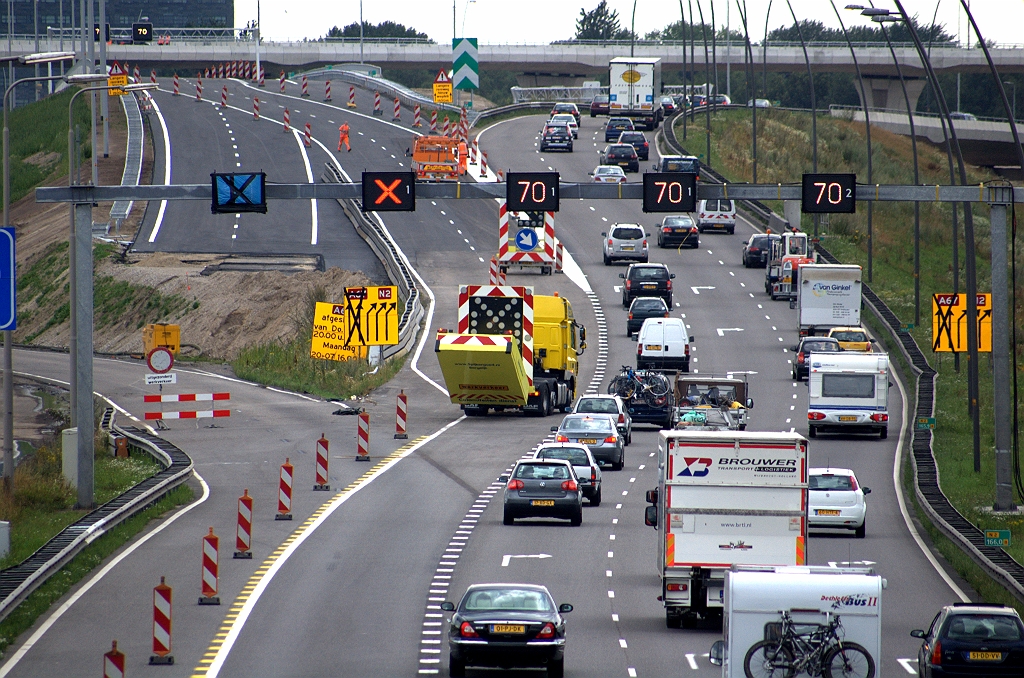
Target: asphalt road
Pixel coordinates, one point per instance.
(361, 594)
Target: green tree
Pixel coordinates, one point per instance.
(600, 23)
(385, 29)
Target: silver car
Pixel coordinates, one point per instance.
(625, 241)
(545, 488)
(599, 432)
(608, 404)
(588, 471)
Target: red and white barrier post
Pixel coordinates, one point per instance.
(416, 116)
(218, 71)
(263, 82)
(211, 567)
(492, 277)
(376, 103)
(152, 77)
(433, 121)
(199, 89)
(113, 662)
(398, 109)
(501, 175)
(243, 533)
(327, 90)
(161, 624)
(282, 82)
(136, 73)
(322, 464)
(224, 97)
(175, 84)
(444, 128)
(305, 87)
(363, 438)
(402, 414)
(284, 491)
(255, 108)
(559, 253)
(286, 121)
(351, 97)
(473, 150)
(483, 164)
(308, 137)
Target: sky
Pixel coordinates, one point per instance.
(542, 21)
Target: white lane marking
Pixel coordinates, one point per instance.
(622, 643)
(631, 672)
(696, 289)
(313, 220)
(794, 395)
(59, 612)
(722, 330)
(167, 170)
(788, 421)
(506, 559)
(611, 594)
(611, 554)
(905, 663)
(607, 573)
(692, 661)
(641, 467)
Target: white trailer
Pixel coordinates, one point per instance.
(635, 89)
(725, 498)
(756, 597)
(829, 295)
(848, 392)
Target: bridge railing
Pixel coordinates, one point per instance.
(845, 111)
(576, 95)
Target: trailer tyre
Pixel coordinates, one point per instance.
(884, 433)
(673, 621)
(861, 531)
(761, 658)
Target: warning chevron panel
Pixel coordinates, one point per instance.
(949, 323)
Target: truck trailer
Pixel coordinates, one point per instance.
(829, 295)
(635, 86)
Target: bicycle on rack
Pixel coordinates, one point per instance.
(649, 385)
(817, 651)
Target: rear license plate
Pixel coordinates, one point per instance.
(985, 656)
(588, 441)
(682, 230)
(541, 502)
(847, 418)
(652, 347)
(826, 512)
(627, 248)
(508, 628)
(649, 287)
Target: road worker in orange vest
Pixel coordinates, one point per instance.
(343, 137)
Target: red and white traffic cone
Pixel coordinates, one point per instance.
(308, 137)
(483, 164)
(305, 87)
(284, 491)
(444, 128)
(211, 567)
(398, 110)
(363, 438)
(322, 464)
(327, 90)
(219, 71)
(263, 82)
(199, 89)
(286, 121)
(256, 108)
(113, 662)
(433, 121)
(224, 96)
(234, 69)
(161, 624)
(243, 533)
(501, 275)
(351, 97)
(152, 77)
(473, 150)
(492, 278)
(376, 103)
(206, 74)
(175, 84)
(402, 413)
(282, 82)
(416, 116)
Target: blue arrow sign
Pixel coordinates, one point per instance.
(8, 305)
(526, 239)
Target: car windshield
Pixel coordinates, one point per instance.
(652, 273)
(983, 627)
(524, 600)
(567, 118)
(678, 221)
(598, 405)
(542, 471)
(820, 347)
(573, 455)
(601, 99)
(760, 241)
(621, 151)
(829, 481)
(710, 394)
(679, 166)
(556, 129)
(564, 108)
(633, 137)
(609, 170)
(648, 304)
(627, 233)
(585, 424)
(849, 336)
(718, 206)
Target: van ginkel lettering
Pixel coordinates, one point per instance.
(855, 600)
(759, 465)
(832, 287)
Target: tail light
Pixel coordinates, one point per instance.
(467, 631)
(676, 587)
(800, 357)
(853, 483)
(879, 416)
(686, 350)
(666, 230)
(639, 349)
(815, 416)
(629, 283)
(645, 243)
(611, 439)
(547, 631)
(516, 484)
(630, 316)
(670, 284)
(666, 314)
(561, 438)
(753, 249)
(593, 473)
(937, 654)
(622, 417)
(570, 485)
(610, 243)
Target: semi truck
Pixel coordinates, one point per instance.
(829, 295)
(848, 392)
(635, 87)
(513, 350)
(724, 498)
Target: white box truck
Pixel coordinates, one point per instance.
(635, 90)
(724, 498)
(848, 393)
(757, 597)
(828, 296)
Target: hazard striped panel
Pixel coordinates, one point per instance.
(186, 397)
(467, 292)
(202, 414)
(507, 253)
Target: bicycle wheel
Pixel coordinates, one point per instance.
(657, 384)
(622, 386)
(849, 661)
(768, 659)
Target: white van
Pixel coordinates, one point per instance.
(848, 392)
(717, 215)
(663, 344)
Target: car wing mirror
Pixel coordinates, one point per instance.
(891, 384)
(554, 428)
(503, 478)
(652, 496)
(448, 606)
(651, 516)
(622, 275)
(872, 341)
(750, 403)
(917, 633)
(670, 275)
(867, 490)
(794, 349)
(691, 337)
(604, 233)
(647, 235)
(717, 653)
(564, 607)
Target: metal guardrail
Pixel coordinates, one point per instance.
(18, 582)
(483, 116)
(386, 87)
(133, 157)
(396, 264)
(845, 111)
(576, 95)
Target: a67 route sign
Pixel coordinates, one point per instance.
(160, 360)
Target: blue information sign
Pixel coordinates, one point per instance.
(239, 192)
(8, 302)
(526, 239)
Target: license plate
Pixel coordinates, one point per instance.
(508, 628)
(588, 441)
(649, 287)
(682, 230)
(627, 248)
(847, 418)
(985, 656)
(652, 347)
(826, 512)
(541, 502)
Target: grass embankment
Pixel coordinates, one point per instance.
(784, 153)
(288, 365)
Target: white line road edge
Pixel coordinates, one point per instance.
(314, 222)
(27, 646)
(236, 627)
(167, 169)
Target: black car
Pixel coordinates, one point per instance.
(643, 308)
(638, 140)
(623, 155)
(647, 280)
(756, 250)
(678, 229)
(615, 127)
(506, 625)
(806, 347)
(556, 136)
(972, 639)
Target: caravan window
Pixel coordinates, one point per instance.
(848, 385)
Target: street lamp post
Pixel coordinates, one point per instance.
(707, 86)
(1014, 86)
(748, 65)
(632, 28)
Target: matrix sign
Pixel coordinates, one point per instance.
(239, 192)
(142, 33)
(389, 192)
(830, 194)
(670, 192)
(531, 191)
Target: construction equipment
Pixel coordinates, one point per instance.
(438, 158)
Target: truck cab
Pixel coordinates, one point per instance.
(788, 254)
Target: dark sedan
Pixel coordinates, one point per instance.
(972, 639)
(643, 308)
(617, 126)
(623, 155)
(543, 488)
(806, 347)
(638, 140)
(506, 625)
(678, 230)
(756, 250)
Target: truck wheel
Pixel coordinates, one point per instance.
(884, 433)
(812, 432)
(673, 621)
(596, 499)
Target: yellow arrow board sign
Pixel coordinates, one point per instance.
(116, 79)
(330, 334)
(371, 315)
(442, 88)
(949, 323)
